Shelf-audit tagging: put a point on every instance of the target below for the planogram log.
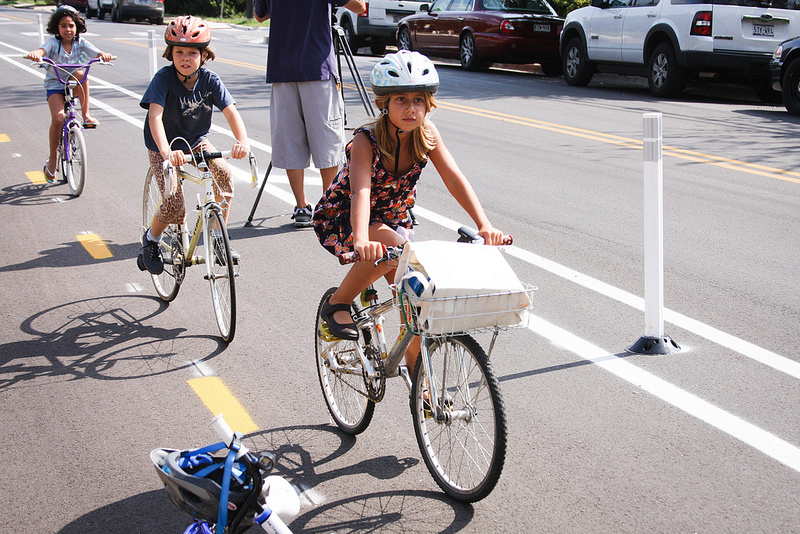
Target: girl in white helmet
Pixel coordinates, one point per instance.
(366, 207)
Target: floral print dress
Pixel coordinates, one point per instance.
(390, 199)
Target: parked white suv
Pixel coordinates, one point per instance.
(674, 41)
(377, 26)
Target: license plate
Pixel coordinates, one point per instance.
(761, 29)
(541, 28)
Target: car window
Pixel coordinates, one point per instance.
(641, 3)
(519, 6)
(460, 5)
(440, 5)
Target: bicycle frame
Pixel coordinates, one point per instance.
(71, 82)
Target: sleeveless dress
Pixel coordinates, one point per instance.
(390, 199)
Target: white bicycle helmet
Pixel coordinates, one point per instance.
(404, 71)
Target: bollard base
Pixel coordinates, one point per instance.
(654, 345)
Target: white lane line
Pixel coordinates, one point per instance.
(759, 439)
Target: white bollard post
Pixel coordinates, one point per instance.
(41, 29)
(151, 42)
(654, 340)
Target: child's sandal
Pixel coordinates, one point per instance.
(50, 177)
(340, 330)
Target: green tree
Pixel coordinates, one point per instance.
(563, 7)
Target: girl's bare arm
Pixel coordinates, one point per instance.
(360, 187)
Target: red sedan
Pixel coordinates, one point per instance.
(482, 32)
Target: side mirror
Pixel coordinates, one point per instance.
(426, 8)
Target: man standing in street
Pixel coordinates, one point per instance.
(306, 108)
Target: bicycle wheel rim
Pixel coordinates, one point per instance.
(351, 410)
(465, 453)
(169, 281)
(76, 166)
(220, 272)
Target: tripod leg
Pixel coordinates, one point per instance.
(258, 197)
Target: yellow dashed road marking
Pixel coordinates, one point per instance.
(4, 138)
(95, 246)
(219, 400)
(37, 177)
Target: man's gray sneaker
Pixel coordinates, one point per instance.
(302, 217)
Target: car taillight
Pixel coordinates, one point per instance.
(507, 27)
(366, 11)
(701, 25)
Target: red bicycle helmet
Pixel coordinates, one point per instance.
(188, 31)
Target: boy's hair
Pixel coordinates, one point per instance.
(206, 53)
(421, 138)
(55, 19)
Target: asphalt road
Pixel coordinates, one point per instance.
(95, 371)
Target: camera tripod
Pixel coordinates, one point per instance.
(342, 48)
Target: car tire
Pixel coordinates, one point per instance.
(468, 53)
(791, 87)
(664, 77)
(89, 13)
(352, 39)
(101, 13)
(377, 49)
(577, 68)
(404, 39)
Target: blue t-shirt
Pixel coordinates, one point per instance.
(300, 39)
(187, 113)
(82, 51)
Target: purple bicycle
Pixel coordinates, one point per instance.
(71, 155)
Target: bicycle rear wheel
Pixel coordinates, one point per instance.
(169, 281)
(341, 377)
(220, 272)
(75, 166)
(466, 449)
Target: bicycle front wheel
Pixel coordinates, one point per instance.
(169, 281)
(75, 165)
(466, 447)
(341, 377)
(220, 272)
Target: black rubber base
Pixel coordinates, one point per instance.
(654, 345)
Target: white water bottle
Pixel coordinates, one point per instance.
(271, 522)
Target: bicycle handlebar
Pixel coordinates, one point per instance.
(46, 62)
(468, 235)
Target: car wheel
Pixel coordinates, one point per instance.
(404, 39)
(352, 39)
(791, 87)
(468, 53)
(377, 49)
(577, 68)
(101, 13)
(114, 13)
(89, 13)
(665, 78)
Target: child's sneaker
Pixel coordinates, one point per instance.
(150, 257)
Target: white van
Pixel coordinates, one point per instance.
(377, 26)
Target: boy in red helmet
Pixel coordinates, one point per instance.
(179, 102)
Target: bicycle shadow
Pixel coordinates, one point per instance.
(73, 254)
(103, 338)
(303, 455)
(31, 194)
